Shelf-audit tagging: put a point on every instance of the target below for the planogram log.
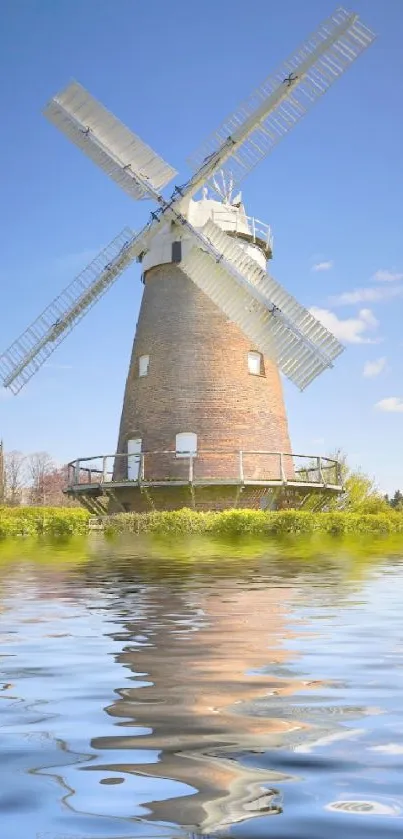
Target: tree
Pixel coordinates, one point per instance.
(48, 482)
(14, 477)
(360, 491)
(32, 480)
(397, 500)
(40, 466)
(55, 481)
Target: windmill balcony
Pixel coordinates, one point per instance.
(245, 227)
(207, 480)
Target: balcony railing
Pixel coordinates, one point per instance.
(234, 222)
(165, 468)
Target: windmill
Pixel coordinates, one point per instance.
(203, 391)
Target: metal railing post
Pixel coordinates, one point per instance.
(282, 472)
(191, 469)
(104, 470)
(141, 469)
(77, 472)
(241, 472)
(322, 480)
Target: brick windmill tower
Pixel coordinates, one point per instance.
(203, 419)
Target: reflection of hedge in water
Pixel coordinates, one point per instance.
(164, 559)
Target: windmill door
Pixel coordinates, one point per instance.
(133, 461)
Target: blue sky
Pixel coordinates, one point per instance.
(332, 192)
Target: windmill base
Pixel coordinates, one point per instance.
(202, 498)
(257, 480)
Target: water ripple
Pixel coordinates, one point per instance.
(162, 701)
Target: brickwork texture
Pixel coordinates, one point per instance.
(198, 381)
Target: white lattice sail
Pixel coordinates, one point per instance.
(107, 141)
(278, 325)
(24, 357)
(289, 334)
(275, 293)
(271, 111)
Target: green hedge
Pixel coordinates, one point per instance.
(254, 522)
(59, 522)
(37, 521)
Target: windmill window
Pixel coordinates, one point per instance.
(176, 251)
(186, 444)
(144, 361)
(255, 363)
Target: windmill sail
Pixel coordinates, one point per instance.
(252, 131)
(275, 293)
(271, 318)
(109, 143)
(24, 357)
(289, 334)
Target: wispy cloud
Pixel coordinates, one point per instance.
(374, 368)
(383, 275)
(387, 749)
(350, 330)
(392, 405)
(326, 265)
(366, 295)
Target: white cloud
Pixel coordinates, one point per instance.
(392, 405)
(366, 295)
(388, 748)
(323, 266)
(349, 330)
(374, 368)
(383, 275)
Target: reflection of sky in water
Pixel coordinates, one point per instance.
(267, 703)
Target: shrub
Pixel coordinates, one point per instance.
(59, 522)
(236, 523)
(36, 521)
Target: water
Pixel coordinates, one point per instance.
(167, 691)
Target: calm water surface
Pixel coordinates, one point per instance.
(144, 694)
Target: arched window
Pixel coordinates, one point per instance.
(186, 444)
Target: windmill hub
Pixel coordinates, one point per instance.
(172, 243)
(203, 420)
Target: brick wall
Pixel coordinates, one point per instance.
(198, 381)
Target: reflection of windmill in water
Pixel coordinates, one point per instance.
(210, 658)
(203, 418)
